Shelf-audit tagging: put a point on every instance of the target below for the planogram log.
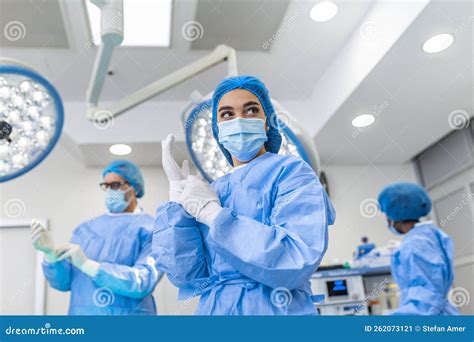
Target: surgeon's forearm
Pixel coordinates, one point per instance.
(134, 282)
(90, 267)
(177, 245)
(58, 274)
(269, 255)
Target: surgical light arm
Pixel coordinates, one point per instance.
(111, 30)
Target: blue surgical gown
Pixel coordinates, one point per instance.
(423, 270)
(121, 244)
(259, 253)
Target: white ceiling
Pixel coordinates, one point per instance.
(421, 90)
(411, 93)
(301, 42)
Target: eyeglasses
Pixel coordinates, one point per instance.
(112, 185)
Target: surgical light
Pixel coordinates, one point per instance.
(31, 119)
(210, 160)
(120, 149)
(438, 43)
(363, 120)
(323, 11)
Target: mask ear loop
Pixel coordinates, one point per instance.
(127, 191)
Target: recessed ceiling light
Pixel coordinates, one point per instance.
(145, 22)
(323, 11)
(120, 149)
(438, 43)
(363, 120)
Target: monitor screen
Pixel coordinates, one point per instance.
(337, 288)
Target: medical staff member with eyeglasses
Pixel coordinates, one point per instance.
(249, 242)
(107, 265)
(423, 264)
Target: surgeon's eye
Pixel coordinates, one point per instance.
(226, 115)
(113, 185)
(252, 110)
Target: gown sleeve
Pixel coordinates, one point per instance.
(137, 281)
(58, 274)
(287, 251)
(178, 247)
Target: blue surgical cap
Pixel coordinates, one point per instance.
(404, 202)
(256, 87)
(128, 171)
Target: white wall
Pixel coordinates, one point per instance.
(349, 186)
(66, 193)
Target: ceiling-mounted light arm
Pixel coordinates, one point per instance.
(111, 29)
(232, 64)
(221, 53)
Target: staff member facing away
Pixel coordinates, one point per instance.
(423, 265)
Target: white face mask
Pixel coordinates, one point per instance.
(115, 200)
(243, 138)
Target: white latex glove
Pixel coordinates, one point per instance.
(199, 200)
(174, 173)
(42, 240)
(76, 256)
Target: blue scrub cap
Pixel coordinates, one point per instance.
(256, 87)
(404, 202)
(128, 171)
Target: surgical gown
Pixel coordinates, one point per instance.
(259, 253)
(423, 269)
(121, 243)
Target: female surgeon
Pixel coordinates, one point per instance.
(107, 266)
(248, 243)
(423, 265)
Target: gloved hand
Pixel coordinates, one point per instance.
(43, 241)
(173, 171)
(76, 256)
(199, 200)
